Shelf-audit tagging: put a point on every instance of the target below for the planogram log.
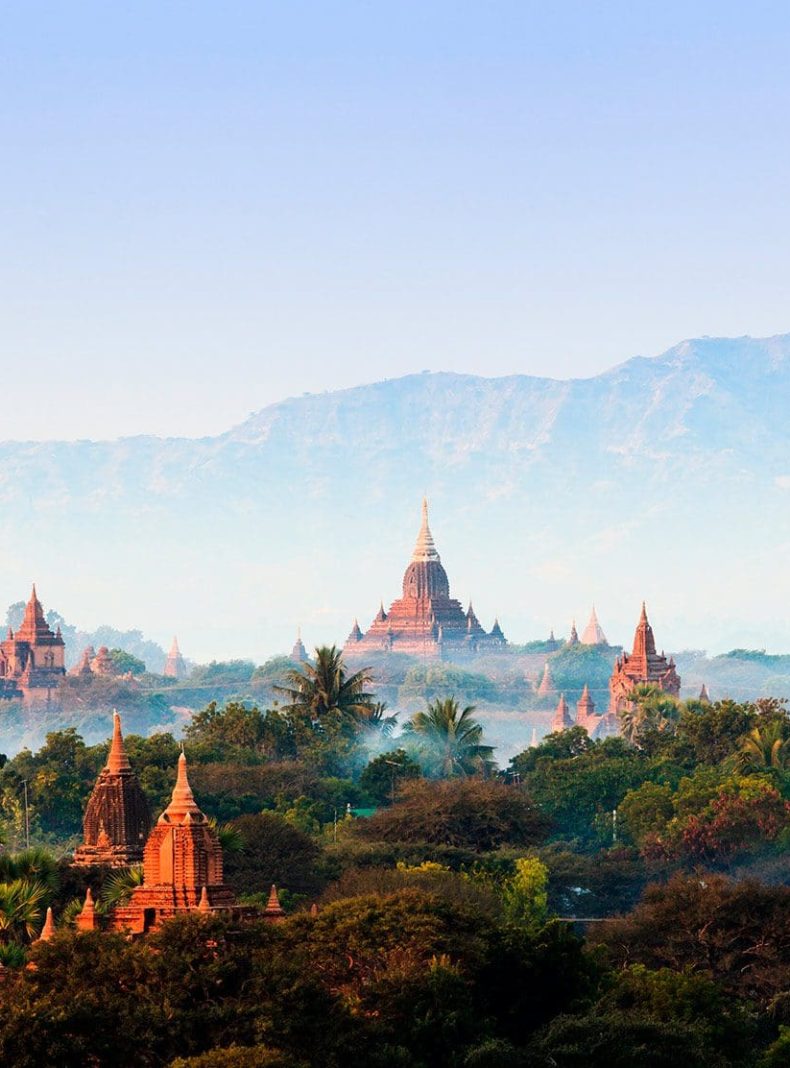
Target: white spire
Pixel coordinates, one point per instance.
(593, 632)
(425, 548)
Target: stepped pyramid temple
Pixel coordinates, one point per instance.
(32, 660)
(117, 819)
(175, 668)
(593, 632)
(642, 665)
(182, 866)
(426, 620)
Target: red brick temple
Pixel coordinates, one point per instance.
(117, 819)
(182, 866)
(642, 665)
(32, 660)
(425, 621)
(174, 668)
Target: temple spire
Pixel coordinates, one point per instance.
(117, 761)
(644, 642)
(183, 803)
(48, 930)
(425, 548)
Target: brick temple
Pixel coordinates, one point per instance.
(425, 621)
(117, 819)
(182, 866)
(642, 665)
(32, 661)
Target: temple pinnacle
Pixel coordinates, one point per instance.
(117, 761)
(424, 549)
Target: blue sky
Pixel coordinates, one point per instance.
(205, 208)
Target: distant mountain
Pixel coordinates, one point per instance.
(665, 478)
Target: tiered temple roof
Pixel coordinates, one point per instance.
(117, 819)
(546, 684)
(32, 660)
(425, 620)
(642, 665)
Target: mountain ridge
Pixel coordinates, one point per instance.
(665, 477)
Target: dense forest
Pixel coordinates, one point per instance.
(619, 902)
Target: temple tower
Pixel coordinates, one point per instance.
(299, 653)
(32, 661)
(425, 620)
(642, 665)
(546, 685)
(175, 668)
(117, 819)
(593, 632)
(182, 866)
(562, 719)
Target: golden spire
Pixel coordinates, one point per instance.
(182, 802)
(117, 761)
(424, 549)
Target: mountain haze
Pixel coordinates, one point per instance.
(665, 478)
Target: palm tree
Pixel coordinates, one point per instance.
(324, 687)
(21, 903)
(34, 865)
(450, 740)
(648, 707)
(765, 747)
(119, 887)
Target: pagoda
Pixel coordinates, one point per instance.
(425, 620)
(643, 665)
(117, 819)
(182, 866)
(32, 661)
(546, 685)
(299, 653)
(593, 633)
(561, 721)
(174, 668)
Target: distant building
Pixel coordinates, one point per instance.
(593, 632)
(546, 684)
(562, 720)
(175, 668)
(425, 620)
(642, 665)
(573, 638)
(299, 653)
(32, 661)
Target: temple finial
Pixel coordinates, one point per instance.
(425, 548)
(117, 760)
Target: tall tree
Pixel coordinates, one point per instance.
(324, 687)
(450, 740)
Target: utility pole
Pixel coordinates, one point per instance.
(27, 817)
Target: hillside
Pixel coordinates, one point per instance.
(545, 496)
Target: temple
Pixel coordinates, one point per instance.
(593, 633)
(175, 668)
(32, 660)
(182, 866)
(117, 819)
(562, 719)
(642, 665)
(426, 621)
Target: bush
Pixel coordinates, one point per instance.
(473, 813)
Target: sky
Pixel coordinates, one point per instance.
(206, 208)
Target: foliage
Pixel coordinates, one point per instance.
(124, 662)
(479, 814)
(385, 772)
(272, 851)
(526, 893)
(429, 682)
(449, 741)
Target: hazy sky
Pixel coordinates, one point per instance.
(208, 207)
